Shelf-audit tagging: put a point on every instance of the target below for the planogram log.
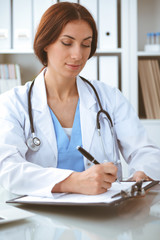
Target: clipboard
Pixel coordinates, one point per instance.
(138, 189)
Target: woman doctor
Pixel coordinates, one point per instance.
(64, 110)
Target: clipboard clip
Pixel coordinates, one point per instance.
(134, 191)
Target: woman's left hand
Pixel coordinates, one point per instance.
(139, 175)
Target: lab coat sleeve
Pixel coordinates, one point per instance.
(16, 174)
(137, 149)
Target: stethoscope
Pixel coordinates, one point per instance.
(34, 142)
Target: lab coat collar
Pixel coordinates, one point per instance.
(84, 91)
(40, 109)
(39, 96)
(88, 112)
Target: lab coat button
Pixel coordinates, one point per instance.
(88, 164)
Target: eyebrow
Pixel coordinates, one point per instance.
(74, 38)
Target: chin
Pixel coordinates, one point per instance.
(72, 74)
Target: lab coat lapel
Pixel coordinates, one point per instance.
(88, 113)
(41, 113)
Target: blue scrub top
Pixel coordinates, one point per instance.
(68, 156)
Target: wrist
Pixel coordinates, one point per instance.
(67, 185)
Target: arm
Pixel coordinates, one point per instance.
(137, 149)
(23, 171)
(22, 176)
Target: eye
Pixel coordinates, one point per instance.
(66, 43)
(86, 44)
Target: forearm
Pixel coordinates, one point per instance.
(25, 178)
(67, 185)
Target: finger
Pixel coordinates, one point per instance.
(138, 178)
(130, 179)
(145, 178)
(106, 185)
(110, 168)
(139, 175)
(110, 178)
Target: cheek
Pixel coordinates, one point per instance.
(54, 56)
(87, 54)
(85, 58)
(53, 52)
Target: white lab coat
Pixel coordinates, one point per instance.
(23, 171)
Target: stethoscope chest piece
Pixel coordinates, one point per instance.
(33, 143)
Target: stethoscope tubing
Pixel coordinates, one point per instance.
(30, 108)
(101, 111)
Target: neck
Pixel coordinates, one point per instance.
(59, 87)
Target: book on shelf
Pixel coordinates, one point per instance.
(9, 76)
(149, 77)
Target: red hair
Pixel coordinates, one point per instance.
(54, 20)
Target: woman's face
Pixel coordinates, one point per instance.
(68, 55)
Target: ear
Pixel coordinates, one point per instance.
(46, 49)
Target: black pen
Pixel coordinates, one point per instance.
(89, 157)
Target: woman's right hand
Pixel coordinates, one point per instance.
(92, 181)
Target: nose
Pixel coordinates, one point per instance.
(76, 53)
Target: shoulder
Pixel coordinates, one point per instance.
(108, 91)
(108, 94)
(111, 98)
(103, 87)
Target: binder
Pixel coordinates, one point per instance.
(90, 70)
(22, 24)
(39, 7)
(108, 24)
(5, 24)
(91, 6)
(108, 70)
(114, 196)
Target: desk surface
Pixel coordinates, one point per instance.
(135, 219)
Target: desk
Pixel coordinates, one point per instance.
(135, 219)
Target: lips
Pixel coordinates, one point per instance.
(73, 66)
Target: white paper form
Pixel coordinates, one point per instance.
(81, 198)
